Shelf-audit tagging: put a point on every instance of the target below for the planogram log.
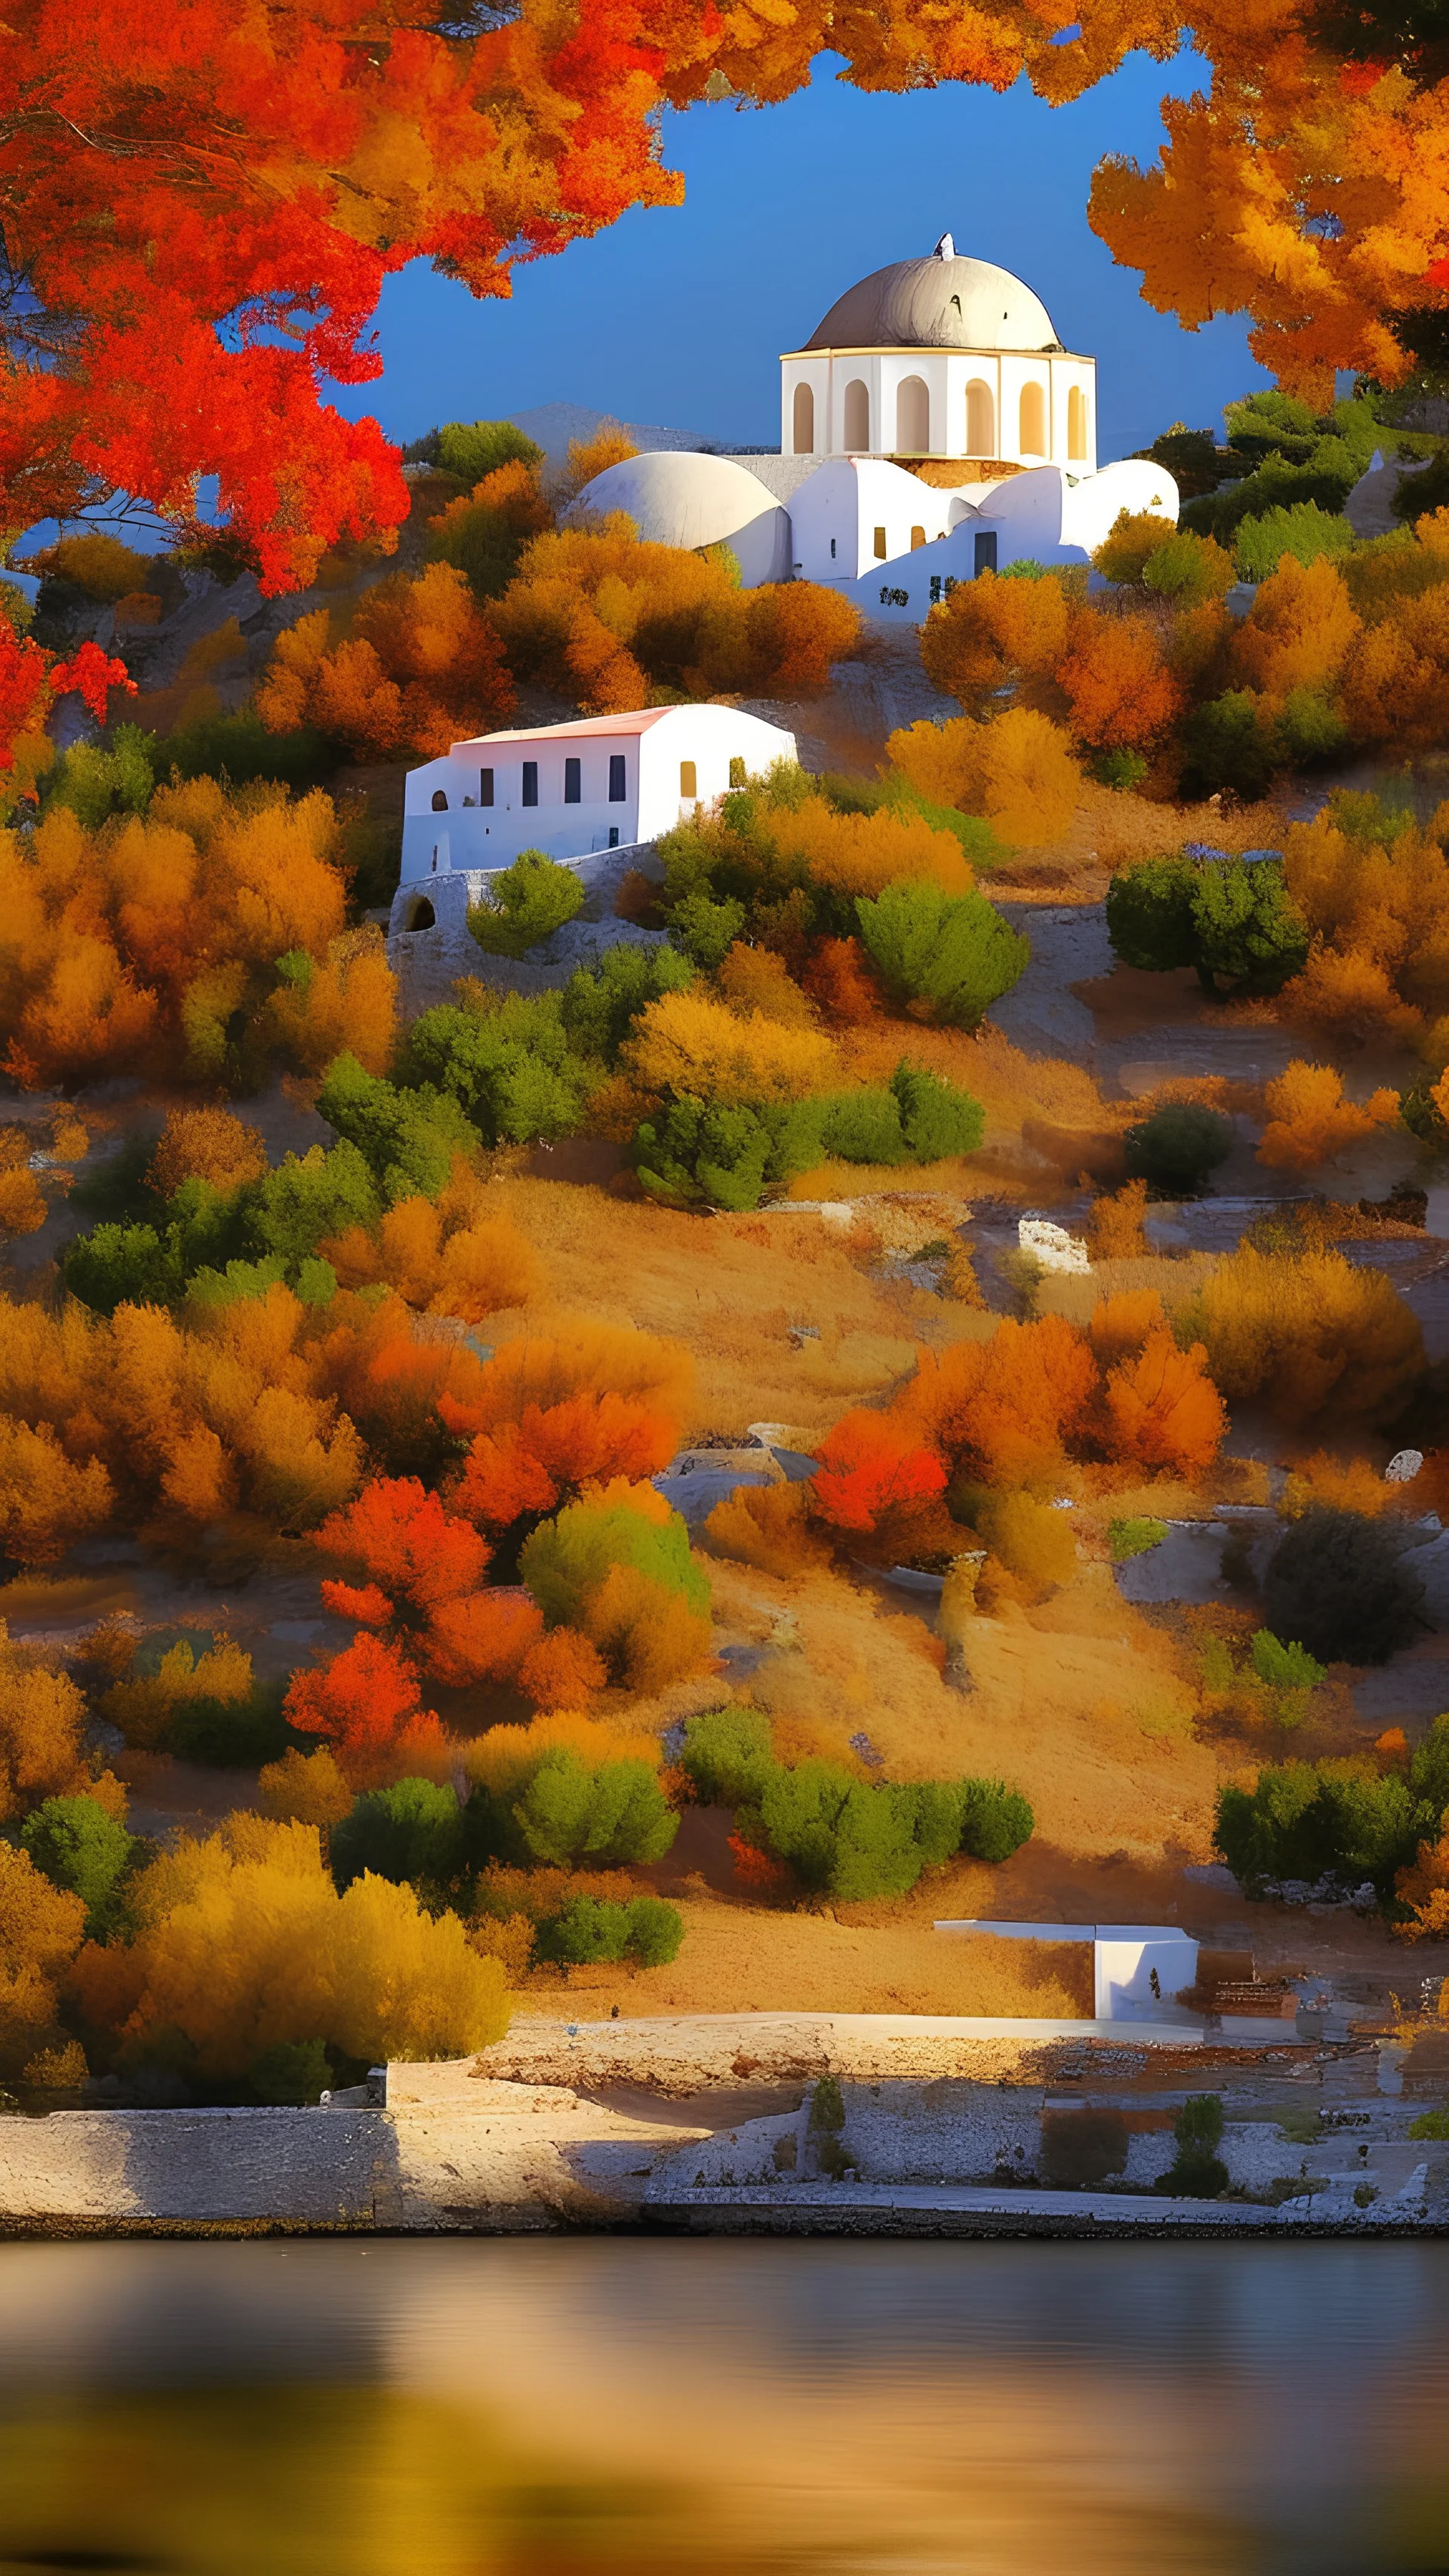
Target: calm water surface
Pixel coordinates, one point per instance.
(577, 2408)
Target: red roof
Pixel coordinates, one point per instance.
(638, 721)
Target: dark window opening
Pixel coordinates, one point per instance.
(617, 789)
(984, 552)
(485, 786)
(530, 782)
(422, 916)
(440, 802)
(573, 782)
(613, 836)
(832, 550)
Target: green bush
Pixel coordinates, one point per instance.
(1197, 2173)
(239, 749)
(1309, 729)
(1150, 915)
(1339, 1583)
(1330, 1819)
(231, 1735)
(308, 1197)
(406, 1138)
(938, 1117)
(412, 1831)
(525, 903)
(592, 1929)
(864, 1126)
(472, 448)
(995, 1820)
(567, 1814)
(1302, 530)
(95, 782)
(727, 1755)
(1285, 1667)
(290, 2072)
(1130, 1538)
(1177, 1149)
(1430, 2124)
(706, 931)
(855, 1840)
(694, 1155)
(954, 951)
(77, 1846)
(565, 1559)
(1188, 570)
(601, 1003)
(505, 1060)
(1230, 745)
(1121, 769)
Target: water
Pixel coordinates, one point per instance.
(560, 2407)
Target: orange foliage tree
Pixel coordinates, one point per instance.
(366, 1704)
(868, 1466)
(1310, 1121)
(420, 666)
(142, 944)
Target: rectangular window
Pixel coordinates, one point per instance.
(880, 545)
(688, 778)
(485, 786)
(613, 836)
(832, 550)
(918, 538)
(573, 782)
(530, 782)
(617, 789)
(737, 772)
(984, 552)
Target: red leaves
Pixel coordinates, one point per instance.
(92, 676)
(870, 1465)
(401, 1538)
(551, 1451)
(482, 1639)
(365, 1703)
(30, 680)
(756, 1870)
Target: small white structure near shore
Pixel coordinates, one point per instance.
(602, 783)
(1138, 1968)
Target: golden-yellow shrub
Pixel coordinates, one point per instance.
(1303, 1333)
(686, 1043)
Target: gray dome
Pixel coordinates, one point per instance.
(939, 303)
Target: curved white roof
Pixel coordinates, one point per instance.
(944, 302)
(684, 499)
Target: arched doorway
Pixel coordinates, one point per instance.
(804, 425)
(440, 802)
(1076, 425)
(422, 915)
(913, 418)
(980, 419)
(1031, 437)
(857, 419)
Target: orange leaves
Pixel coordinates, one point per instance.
(204, 1144)
(1005, 1408)
(562, 1670)
(1310, 1121)
(857, 854)
(1162, 1410)
(992, 631)
(441, 1255)
(365, 1704)
(1118, 686)
(1017, 771)
(483, 1638)
(691, 1046)
(421, 666)
(403, 1540)
(531, 1465)
(47, 1501)
(1299, 630)
(870, 1465)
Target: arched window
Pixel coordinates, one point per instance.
(1076, 425)
(980, 419)
(804, 421)
(913, 418)
(422, 915)
(440, 802)
(857, 419)
(1031, 436)
(918, 538)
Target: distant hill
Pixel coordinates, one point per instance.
(553, 425)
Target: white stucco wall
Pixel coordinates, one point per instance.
(945, 373)
(1046, 516)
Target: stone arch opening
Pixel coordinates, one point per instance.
(804, 420)
(1076, 425)
(980, 418)
(913, 417)
(857, 418)
(421, 915)
(1031, 433)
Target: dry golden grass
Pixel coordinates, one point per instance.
(1175, 1278)
(740, 1958)
(729, 1288)
(1110, 830)
(1130, 1780)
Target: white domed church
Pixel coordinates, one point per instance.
(941, 357)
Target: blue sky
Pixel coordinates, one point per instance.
(679, 316)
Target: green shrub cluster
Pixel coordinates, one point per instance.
(1197, 2171)
(567, 1813)
(1232, 920)
(844, 1837)
(695, 1154)
(1335, 1819)
(594, 1930)
(1177, 1148)
(77, 1846)
(1130, 1538)
(1290, 456)
(525, 904)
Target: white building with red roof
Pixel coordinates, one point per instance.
(601, 783)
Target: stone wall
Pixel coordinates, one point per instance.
(428, 962)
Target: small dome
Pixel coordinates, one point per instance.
(685, 499)
(944, 302)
